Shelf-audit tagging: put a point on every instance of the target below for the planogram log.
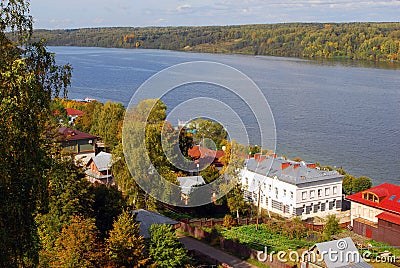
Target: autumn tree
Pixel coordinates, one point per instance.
(29, 78)
(125, 246)
(210, 174)
(165, 249)
(90, 117)
(77, 245)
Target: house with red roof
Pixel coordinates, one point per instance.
(77, 142)
(375, 213)
(73, 114)
(205, 156)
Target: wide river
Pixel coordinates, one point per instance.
(339, 114)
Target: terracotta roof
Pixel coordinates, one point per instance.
(69, 134)
(390, 217)
(389, 195)
(73, 112)
(197, 152)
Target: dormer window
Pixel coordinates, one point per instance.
(370, 197)
(393, 197)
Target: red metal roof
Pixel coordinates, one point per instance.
(389, 195)
(73, 112)
(73, 135)
(390, 217)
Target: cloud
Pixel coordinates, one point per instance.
(184, 8)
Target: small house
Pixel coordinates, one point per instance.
(99, 168)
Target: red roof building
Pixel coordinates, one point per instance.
(206, 156)
(77, 142)
(375, 213)
(73, 112)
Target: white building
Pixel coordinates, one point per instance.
(291, 188)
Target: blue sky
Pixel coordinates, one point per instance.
(57, 14)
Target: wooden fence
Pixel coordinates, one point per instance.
(210, 223)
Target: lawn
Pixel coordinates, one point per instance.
(264, 236)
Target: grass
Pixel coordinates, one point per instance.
(257, 263)
(258, 239)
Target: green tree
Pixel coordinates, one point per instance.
(361, 183)
(28, 80)
(77, 245)
(108, 205)
(90, 117)
(208, 129)
(108, 124)
(235, 200)
(331, 227)
(125, 246)
(347, 184)
(210, 174)
(165, 249)
(69, 196)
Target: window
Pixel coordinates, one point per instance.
(270, 187)
(327, 191)
(284, 192)
(261, 199)
(304, 195)
(312, 194)
(291, 195)
(276, 192)
(334, 189)
(393, 197)
(319, 192)
(247, 181)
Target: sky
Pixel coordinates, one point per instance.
(61, 14)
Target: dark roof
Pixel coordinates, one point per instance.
(289, 171)
(147, 218)
(389, 195)
(69, 134)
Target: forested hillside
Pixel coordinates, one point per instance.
(366, 41)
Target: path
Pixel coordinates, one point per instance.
(191, 243)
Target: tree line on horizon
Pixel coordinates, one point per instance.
(356, 41)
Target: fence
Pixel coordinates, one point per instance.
(210, 223)
(229, 245)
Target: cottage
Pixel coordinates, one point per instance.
(79, 143)
(375, 213)
(99, 168)
(291, 188)
(73, 114)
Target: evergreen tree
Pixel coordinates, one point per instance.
(125, 246)
(165, 249)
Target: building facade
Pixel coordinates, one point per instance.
(375, 213)
(291, 188)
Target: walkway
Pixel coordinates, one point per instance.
(191, 243)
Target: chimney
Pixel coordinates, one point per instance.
(261, 158)
(257, 156)
(285, 165)
(296, 166)
(311, 165)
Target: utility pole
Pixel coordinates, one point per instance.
(258, 204)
